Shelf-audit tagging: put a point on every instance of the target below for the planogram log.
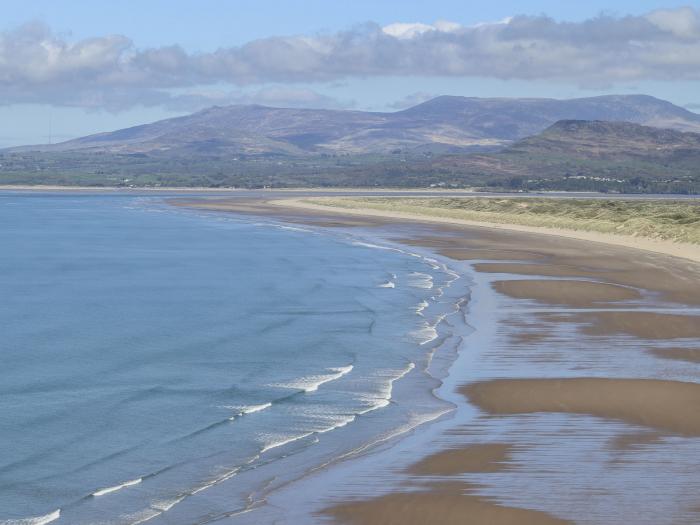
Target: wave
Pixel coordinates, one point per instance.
(425, 334)
(384, 397)
(374, 246)
(166, 505)
(115, 488)
(255, 408)
(434, 263)
(311, 383)
(155, 509)
(202, 430)
(284, 441)
(339, 423)
(144, 516)
(211, 483)
(421, 306)
(381, 400)
(38, 520)
(245, 409)
(420, 280)
(388, 284)
(293, 228)
(160, 507)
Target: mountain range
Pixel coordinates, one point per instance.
(446, 124)
(618, 143)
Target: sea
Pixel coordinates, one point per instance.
(166, 365)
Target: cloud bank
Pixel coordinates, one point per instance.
(39, 66)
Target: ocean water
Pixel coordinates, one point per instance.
(164, 365)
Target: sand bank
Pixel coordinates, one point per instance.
(691, 355)
(446, 505)
(486, 457)
(565, 292)
(663, 405)
(645, 325)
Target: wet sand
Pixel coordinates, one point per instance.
(489, 457)
(645, 325)
(670, 406)
(575, 409)
(450, 505)
(691, 355)
(564, 292)
(444, 502)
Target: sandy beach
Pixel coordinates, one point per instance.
(583, 384)
(684, 250)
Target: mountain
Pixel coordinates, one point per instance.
(586, 150)
(614, 141)
(441, 125)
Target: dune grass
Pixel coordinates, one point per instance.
(673, 220)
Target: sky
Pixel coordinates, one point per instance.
(69, 69)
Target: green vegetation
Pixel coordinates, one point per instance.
(659, 219)
(498, 172)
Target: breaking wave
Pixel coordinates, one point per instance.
(115, 488)
(38, 520)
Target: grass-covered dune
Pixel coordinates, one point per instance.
(672, 220)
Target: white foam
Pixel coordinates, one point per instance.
(216, 481)
(384, 397)
(281, 441)
(421, 306)
(243, 410)
(293, 229)
(339, 423)
(255, 408)
(379, 402)
(311, 383)
(434, 264)
(166, 505)
(425, 334)
(115, 488)
(370, 245)
(388, 284)
(144, 516)
(420, 280)
(38, 520)
(156, 509)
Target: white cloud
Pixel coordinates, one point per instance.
(403, 30)
(37, 65)
(683, 22)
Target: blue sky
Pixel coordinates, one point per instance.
(92, 81)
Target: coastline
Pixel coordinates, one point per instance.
(683, 250)
(641, 309)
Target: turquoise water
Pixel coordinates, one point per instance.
(165, 365)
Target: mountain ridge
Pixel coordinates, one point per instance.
(443, 124)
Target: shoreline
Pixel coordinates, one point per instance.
(479, 460)
(681, 250)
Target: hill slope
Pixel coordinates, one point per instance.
(442, 125)
(586, 150)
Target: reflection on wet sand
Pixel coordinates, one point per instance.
(586, 415)
(579, 392)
